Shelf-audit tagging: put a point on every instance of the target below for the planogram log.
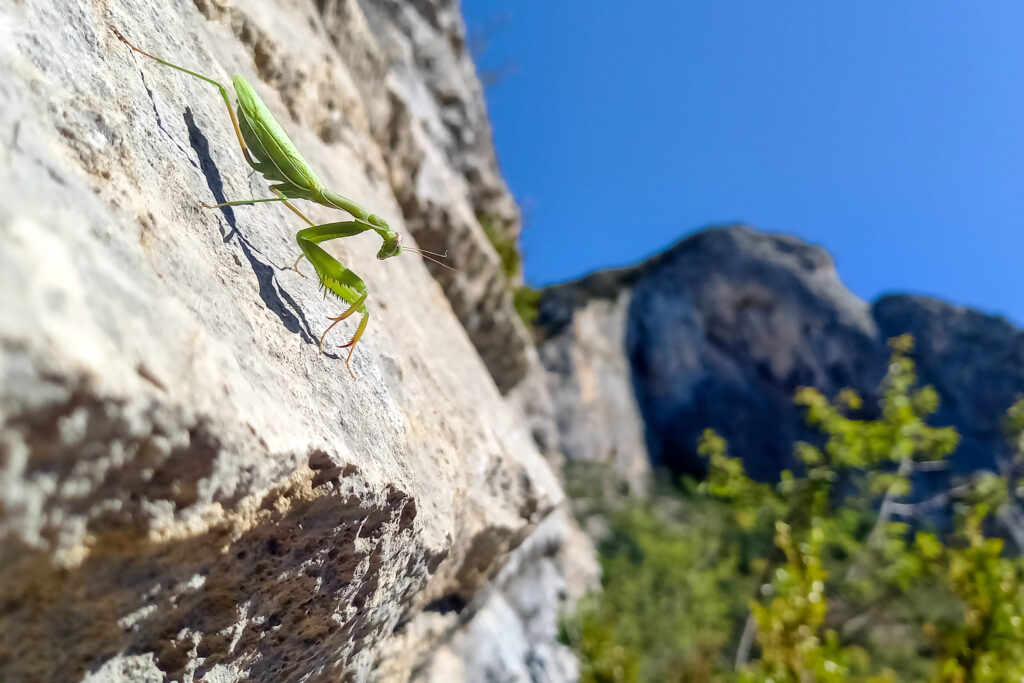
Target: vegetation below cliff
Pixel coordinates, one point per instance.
(835, 573)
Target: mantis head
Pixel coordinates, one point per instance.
(392, 246)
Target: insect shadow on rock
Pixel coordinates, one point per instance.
(276, 298)
(269, 150)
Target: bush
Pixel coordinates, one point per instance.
(818, 577)
(525, 299)
(508, 250)
(661, 616)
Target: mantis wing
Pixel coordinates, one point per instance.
(278, 159)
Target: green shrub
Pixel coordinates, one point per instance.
(666, 565)
(524, 298)
(818, 577)
(508, 250)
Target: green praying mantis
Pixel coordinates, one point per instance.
(269, 150)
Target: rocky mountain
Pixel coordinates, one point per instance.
(720, 330)
(189, 490)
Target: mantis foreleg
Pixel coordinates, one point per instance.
(335, 277)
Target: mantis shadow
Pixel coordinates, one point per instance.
(160, 121)
(276, 299)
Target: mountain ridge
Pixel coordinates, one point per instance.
(723, 326)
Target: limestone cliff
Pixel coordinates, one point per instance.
(188, 489)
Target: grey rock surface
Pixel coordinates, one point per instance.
(725, 326)
(717, 331)
(188, 489)
(589, 378)
(513, 634)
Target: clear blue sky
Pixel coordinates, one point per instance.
(889, 132)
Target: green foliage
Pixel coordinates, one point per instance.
(794, 644)
(987, 643)
(524, 298)
(819, 569)
(1013, 425)
(508, 250)
(665, 566)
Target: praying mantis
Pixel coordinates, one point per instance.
(269, 151)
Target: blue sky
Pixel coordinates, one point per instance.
(891, 133)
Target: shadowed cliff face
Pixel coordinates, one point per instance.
(722, 328)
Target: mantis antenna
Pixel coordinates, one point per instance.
(429, 254)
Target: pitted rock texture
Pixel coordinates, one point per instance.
(273, 587)
(188, 489)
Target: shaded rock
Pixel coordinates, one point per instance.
(532, 398)
(717, 331)
(722, 330)
(513, 631)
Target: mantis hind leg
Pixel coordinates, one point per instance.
(301, 215)
(293, 209)
(217, 84)
(243, 202)
(279, 198)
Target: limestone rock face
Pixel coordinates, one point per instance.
(188, 489)
(722, 330)
(514, 631)
(589, 377)
(718, 331)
